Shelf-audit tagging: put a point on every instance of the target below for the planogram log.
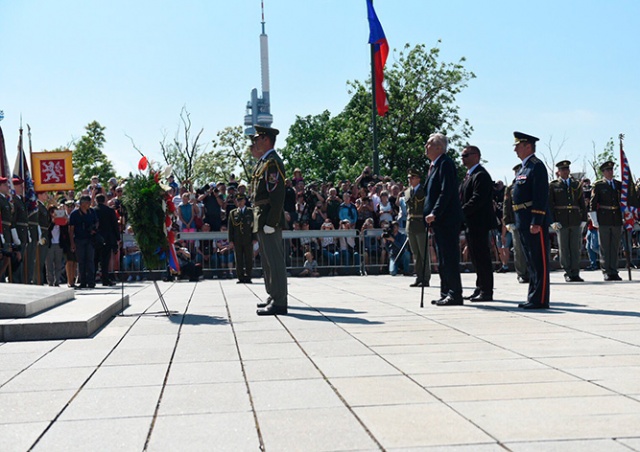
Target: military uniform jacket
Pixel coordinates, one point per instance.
(241, 226)
(415, 206)
(6, 215)
(530, 195)
(20, 219)
(567, 203)
(268, 191)
(605, 201)
(507, 207)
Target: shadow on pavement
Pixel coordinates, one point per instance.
(334, 310)
(333, 318)
(198, 319)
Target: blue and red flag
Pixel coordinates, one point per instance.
(628, 195)
(381, 50)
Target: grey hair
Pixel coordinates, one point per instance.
(439, 139)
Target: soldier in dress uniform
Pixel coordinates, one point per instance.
(604, 211)
(531, 210)
(21, 224)
(416, 229)
(240, 227)
(509, 223)
(268, 201)
(7, 243)
(568, 219)
(44, 220)
(32, 248)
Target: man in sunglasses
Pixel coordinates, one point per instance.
(479, 218)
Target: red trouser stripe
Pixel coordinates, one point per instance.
(544, 268)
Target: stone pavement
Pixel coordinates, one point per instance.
(355, 366)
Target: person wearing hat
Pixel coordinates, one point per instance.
(510, 234)
(476, 197)
(21, 224)
(241, 235)
(9, 241)
(268, 201)
(443, 213)
(605, 214)
(531, 211)
(568, 219)
(416, 230)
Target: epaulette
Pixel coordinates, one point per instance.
(534, 159)
(600, 181)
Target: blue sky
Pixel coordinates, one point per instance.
(565, 71)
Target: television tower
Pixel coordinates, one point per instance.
(259, 108)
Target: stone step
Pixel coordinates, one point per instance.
(79, 318)
(21, 300)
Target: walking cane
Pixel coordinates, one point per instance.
(424, 264)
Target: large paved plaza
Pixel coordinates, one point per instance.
(355, 366)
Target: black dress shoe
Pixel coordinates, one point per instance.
(576, 279)
(567, 278)
(247, 281)
(419, 284)
(264, 304)
(240, 281)
(475, 293)
(533, 306)
(449, 301)
(615, 277)
(523, 280)
(272, 309)
(481, 297)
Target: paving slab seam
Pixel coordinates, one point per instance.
(166, 375)
(242, 367)
(84, 383)
(326, 379)
(31, 365)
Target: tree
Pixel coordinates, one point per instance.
(230, 155)
(182, 156)
(422, 93)
(604, 156)
(88, 158)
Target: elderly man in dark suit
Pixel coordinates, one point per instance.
(479, 218)
(443, 213)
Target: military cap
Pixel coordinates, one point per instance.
(241, 196)
(518, 167)
(261, 130)
(413, 172)
(70, 202)
(607, 165)
(524, 138)
(563, 164)
(3, 180)
(17, 181)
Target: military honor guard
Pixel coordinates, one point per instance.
(9, 238)
(416, 229)
(568, 219)
(605, 214)
(509, 224)
(268, 184)
(240, 227)
(44, 241)
(21, 224)
(531, 211)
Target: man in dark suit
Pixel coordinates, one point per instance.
(479, 218)
(110, 236)
(530, 197)
(443, 213)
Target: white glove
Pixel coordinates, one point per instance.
(594, 219)
(28, 236)
(42, 241)
(511, 227)
(583, 225)
(1, 239)
(39, 234)
(556, 226)
(14, 236)
(268, 229)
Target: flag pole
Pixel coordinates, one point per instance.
(627, 236)
(374, 123)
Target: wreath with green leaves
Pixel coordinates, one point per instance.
(149, 209)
